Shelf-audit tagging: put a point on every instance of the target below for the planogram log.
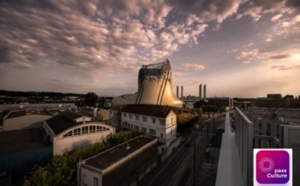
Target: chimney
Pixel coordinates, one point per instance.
(204, 91)
(181, 92)
(177, 91)
(200, 91)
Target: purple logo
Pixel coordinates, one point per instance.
(272, 166)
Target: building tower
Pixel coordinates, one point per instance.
(200, 91)
(204, 91)
(181, 92)
(177, 91)
(154, 87)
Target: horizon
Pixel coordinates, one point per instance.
(295, 96)
(237, 48)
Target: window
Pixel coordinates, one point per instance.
(96, 182)
(144, 129)
(68, 134)
(125, 124)
(130, 116)
(137, 117)
(172, 120)
(136, 127)
(99, 128)
(144, 118)
(84, 180)
(76, 131)
(161, 135)
(152, 132)
(162, 121)
(92, 129)
(124, 115)
(153, 120)
(85, 130)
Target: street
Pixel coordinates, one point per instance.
(178, 168)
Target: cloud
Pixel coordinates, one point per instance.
(248, 55)
(256, 8)
(191, 67)
(268, 38)
(280, 56)
(92, 35)
(276, 17)
(286, 67)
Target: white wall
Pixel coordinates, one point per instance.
(60, 143)
(291, 135)
(168, 129)
(88, 176)
(22, 122)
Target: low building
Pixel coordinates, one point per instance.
(21, 151)
(23, 119)
(70, 130)
(157, 121)
(88, 111)
(125, 164)
(102, 115)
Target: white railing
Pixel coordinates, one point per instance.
(244, 142)
(229, 168)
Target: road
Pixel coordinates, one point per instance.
(178, 168)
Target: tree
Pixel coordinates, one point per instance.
(62, 169)
(91, 99)
(102, 102)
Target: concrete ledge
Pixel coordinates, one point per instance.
(229, 167)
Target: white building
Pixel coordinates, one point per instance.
(69, 131)
(157, 121)
(124, 164)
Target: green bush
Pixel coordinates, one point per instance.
(62, 169)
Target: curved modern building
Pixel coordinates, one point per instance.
(154, 87)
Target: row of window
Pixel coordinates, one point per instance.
(85, 130)
(143, 129)
(161, 121)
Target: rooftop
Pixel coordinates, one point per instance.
(21, 140)
(115, 154)
(24, 112)
(63, 121)
(148, 110)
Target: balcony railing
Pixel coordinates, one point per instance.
(235, 166)
(244, 141)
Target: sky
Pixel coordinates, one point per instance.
(237, 48)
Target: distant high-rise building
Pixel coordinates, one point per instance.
(181, 92)
(204, 91)
(200, 91)
(177, 91)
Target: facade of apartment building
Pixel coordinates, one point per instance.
(157, 121)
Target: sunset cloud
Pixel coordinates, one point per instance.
(101, 44)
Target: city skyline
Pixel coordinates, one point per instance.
(237, 48)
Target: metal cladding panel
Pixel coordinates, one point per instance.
(154, 87)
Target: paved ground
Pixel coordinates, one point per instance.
(208, 168)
